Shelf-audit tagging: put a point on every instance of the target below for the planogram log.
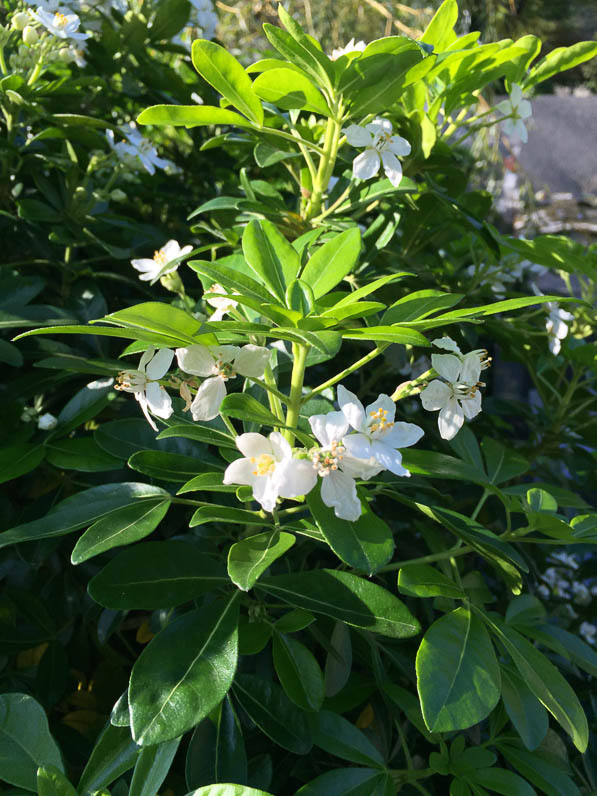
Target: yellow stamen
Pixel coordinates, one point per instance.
(266, 464)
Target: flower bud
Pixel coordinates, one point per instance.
(172, 282)
(65, 55)
(30, 35)
(117, 195)
(47, 422)
(20, 20)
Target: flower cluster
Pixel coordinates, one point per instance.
(134, 150)
(456, 395)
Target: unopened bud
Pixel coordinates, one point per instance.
(47, 422)
(30, 35)
(172, 282)
(65, 55)
(20, 20)
(117, 195)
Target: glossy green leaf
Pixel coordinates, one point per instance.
(546, 683)
(153, 575)
(388, 334)
(499, 306)
(81, 453)
(418, 305)
(159, 318)
(349, 782)
(226, 514)
(190, 116)
(298, 672)
(244, 407)
(222, 71)
(458, 675)
(184, 672)
(526, 713)
(332, 262)
(249, 558)
(423, 580)
(338, 663)
(82, 509)
(502, 464)
(337, 736)
(270, 709)
(152, 767)
(559, 60)
(216, 752)
(346, 597)
(566, 644)
(200, 433)
(25, 741)
(52, 782)
(207, 482)
(500, 780)
(365, 545)
(171, 466)
(113, 755)
(385, 80)
(548, 776)
(274, 261)
(85, 405)
(119, 528)
(440, 31)
(288, 89)
(16, 460)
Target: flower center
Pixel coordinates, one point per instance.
(265, 464)
(326, 460)
(60, 20)
(159, 257)
(131, 381)
(383, 139)
(464, 391)
(379, 421)
(225, 370)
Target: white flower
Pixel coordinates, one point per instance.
(565, 559)
(458, 395)
(47, 422)
(337, 468)
(64, 26)
(517, 108)
(143, 383)
(137, 148)
(377, 435)
(543, 590)
(160, 264)
(557, 325)
(77, 53)
(381, 147)
(223, 304)
(582, 595)
(588, 632)
(352, 47)
(270, 469)
(217, 364)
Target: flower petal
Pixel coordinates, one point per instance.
(197, 360)
(351, 408)
(339, 491)
(143, 404)
(328, 428)
(281, 448)
(170, 250)
(435, 395)
(471, 406)
(392, 168)
(358, 136)
(253, 444)
(366, 165)
(447, 366)
(358, 445)
(379, 126)
(525, 109)
(240, 471)
(158, 400)
(402, 435)
(265, 491)
(391, 459)
(470, 371)
(295, 477)
(447, 344)
(383, 402)
(450, 420)
(399, 146)
(251, 360)
(158, 367)
(206, 404)
(360, 468)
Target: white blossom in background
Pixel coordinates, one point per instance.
(217, 364)
(518, 109)
(556, 325)
(352, 47)
(565, 559)
(588, 631)
(47, 422)
(270, 469)
(337, 468)
(144, 383)
(381, 147)
(64, 26)
(376, 435)
(135, 149)
(222, 304)
(458, 395)
(160, 264)
(581, 594)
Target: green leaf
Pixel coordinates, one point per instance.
(119, 528)
(499, 306)
(556, 252)
(226, 514)
(440, 31)
(52, 782)
(82, 509)
(458, 675)
(249, 558)
(160, 318)
(222, 71)
(80, 453)
(190, 116)
(423, 580)
(184, 672)
(171, 466)
(270, 256)
(270, 709)
(503, 781)
(418, 305)
(338, 663)
(546, 683)
(16, 460)
(559, 60)
(10, 354)
(207, 482)
(233, 280)
(298, 672)
(200, 433)
(171, 16)
(244, 407)
(502, 464)
(346, 597)
(152, 767)
(299, 297)
(439, 465)
(25, 741)
(288, 89)
(565, 644)
(349, 782)
(332, 261)
(526, 713)
(337, 736)
(366, 544)
(388, 334)
(154, 575)
(546, 775)
(113, 755)
(386, 80)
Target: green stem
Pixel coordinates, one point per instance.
(229, 426)
(457, 550)
(412, 386)
(271, 390)
(299, 353)
(347, 371)
(295, 139)
(333, 131)
(275, 403)
(480, 504)
(3, 66)
(36, 73)
(328, 211)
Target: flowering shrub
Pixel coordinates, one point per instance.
(256, 643)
